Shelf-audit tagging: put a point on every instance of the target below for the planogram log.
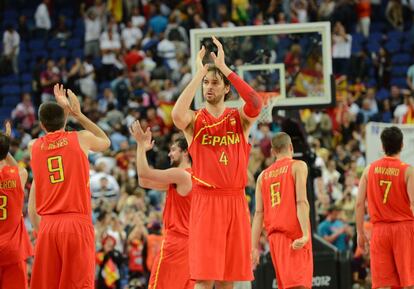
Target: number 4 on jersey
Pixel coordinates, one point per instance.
(223, 159)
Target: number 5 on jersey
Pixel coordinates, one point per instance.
(55, 168)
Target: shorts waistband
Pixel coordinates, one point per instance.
(384, 224)
(68, 216)
(218, 191)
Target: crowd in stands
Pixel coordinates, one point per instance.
(130, 60)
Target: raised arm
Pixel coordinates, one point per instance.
(12, 162)
(153, 177)
(182, 115)
(257, 222)
(300, 173)
(360, 210)
(33, 216)
(93, 137)
(253, 102)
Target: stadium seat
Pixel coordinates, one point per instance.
(382, 94)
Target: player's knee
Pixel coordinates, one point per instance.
(204, 284)
(224, 285)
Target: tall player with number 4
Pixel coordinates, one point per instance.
(388, 185)
(60, 198)
(219, 244)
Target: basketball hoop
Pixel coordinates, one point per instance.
(269, 101)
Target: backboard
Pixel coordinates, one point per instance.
(290, 65)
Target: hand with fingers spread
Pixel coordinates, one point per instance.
(219, 58)
(203, 68)
(60, 96)
(143, 139)
(74, 104)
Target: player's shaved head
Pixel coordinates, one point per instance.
(281, 142)
(4, 146)
(52, 116)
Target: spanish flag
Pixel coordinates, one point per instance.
(115, 7)
(110, 273)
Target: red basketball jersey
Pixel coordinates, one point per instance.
(14, 240)
(388, 199)
(176, 211)
(219, 150)
(61, 173)
(279, 199)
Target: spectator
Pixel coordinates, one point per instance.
(42, 19)
(131, 35)
(364, 16)
(110, 47)
(48, 78)
(137, 19)
(93, 27)
(326, 9)
(87, 82)
(410, 78)
(334, 230)
(394, 14)
(109, 262)
(166, 51)
(24, 113)
(11, 46)
(103, 185)
(158, 22)
(341, 49)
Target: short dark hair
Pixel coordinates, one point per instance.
(181, 142)
(4, 146)
(217, 72)
(392, 140)
(52, 116)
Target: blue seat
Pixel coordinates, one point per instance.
(376, 27)
(382, 94)
(57, 54)
(36, 45)
(399, 71)
(373, 47)
(10, 14)
(400, 58)
(26, 78)
(400, 82)
(39, 53)
(27, 88)
(11, 89)
(10, 79)
(74, 43)
(77, 53)
(393, 46)
(376, 37)
(407, 47)
(395, 35)
(54, 44)
(104, 85)
(10, 101)
(358, 38)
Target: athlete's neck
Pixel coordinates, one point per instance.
(185, 165)
(396, 156)
(55, 131)
(283, 156)
(215, 109)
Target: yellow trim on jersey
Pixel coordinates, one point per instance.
(203, 182)
(211, 125)
(159, 263)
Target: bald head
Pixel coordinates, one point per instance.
(281, 142)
